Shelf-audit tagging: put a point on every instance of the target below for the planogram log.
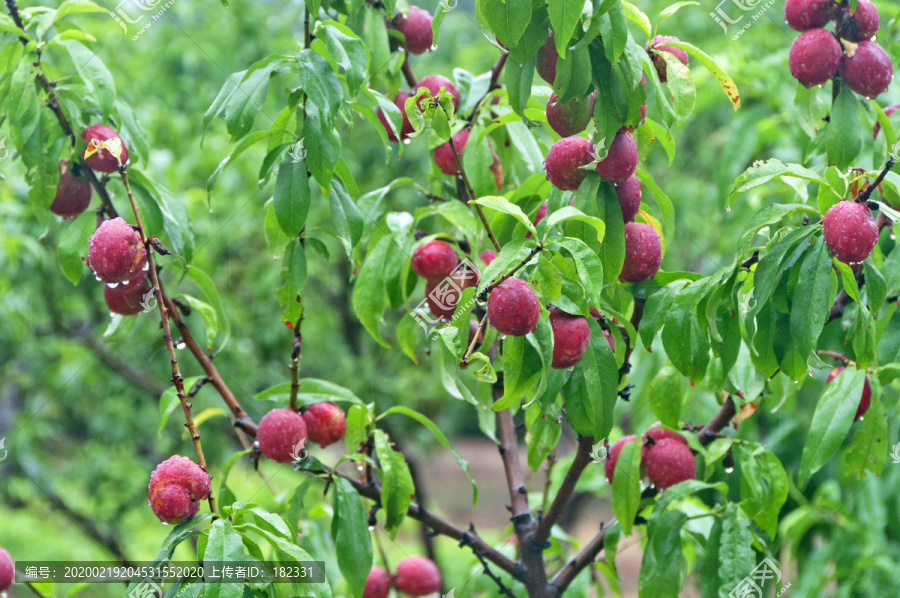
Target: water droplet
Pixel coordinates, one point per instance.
(125, 283)
(164, 523)
(112, 285)
(729, 469)
(371, 528)
(727, 208)
(860, 419)
(97, 278)
(180, 345)
(146, 266)
(111, 315)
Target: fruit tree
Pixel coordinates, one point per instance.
(651, 269)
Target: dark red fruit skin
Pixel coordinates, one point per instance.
(7, 570)
(629, 193)
(378, 583)
(126, 299)
(102, 161)
(571, 338)
(572, 117)
(864, 401)
(814, 57)
(513, 307)
(545, 61)
(417, 576)
(73, 193)
(643, 253)
(416, 28)
(177, 486)
(887, 112)
(115, 251)
(622, 159)
(406, 128)
(613, 456)
(279, 432)
(325, 423)
(434, 83)
(487, 256)
(669, 462)
(434, 260)
(654, 435)
(808, 14)
(564, 162)
(869, 71)
(443, 154)
(658, 44)
(850, 231)
(863, 25)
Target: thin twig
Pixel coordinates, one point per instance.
(834, 355)
(537, 249)
(867, 192)
(466, 541)
(295, 363)
(471, 195)
(408, 73)
(495, 76)
(177, 379)
(471, 348)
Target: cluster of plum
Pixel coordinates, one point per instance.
(116, 253)
(415, 576)
(665, 457)
(817, 55)
(177, 485)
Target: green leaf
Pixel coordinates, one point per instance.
(94, 73)
(870, 445)
(736, 554)
(671, 10)
(293, 271)
(522, 368)
(346, 216)
(501, 204)
(348, 51)
(769, 215)
(209, 318)
(762, 172)
(519, 79)
(636, 16)
(569, 213)
(564, 17)
(369, 296)
(291, 195)
(686, 344)
(721, 76)
(876, 287)
(212, 297)
(681, 85)
(508, 19)
(843, 135)
(397, 488)
(812, 301)
(590, 270)
(666, 396)
(614, 32)
(439, 436)
(626, 488)
(352, 540)
(224, 544)
(601, 380)
(73, 243)
(764, 486)
(662, 568)
(312, 390)
(831, 421)
(543, 435)
(246, 99)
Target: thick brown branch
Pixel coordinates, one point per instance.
(582, 460)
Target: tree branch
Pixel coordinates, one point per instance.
(582, 460)
(177, 379)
